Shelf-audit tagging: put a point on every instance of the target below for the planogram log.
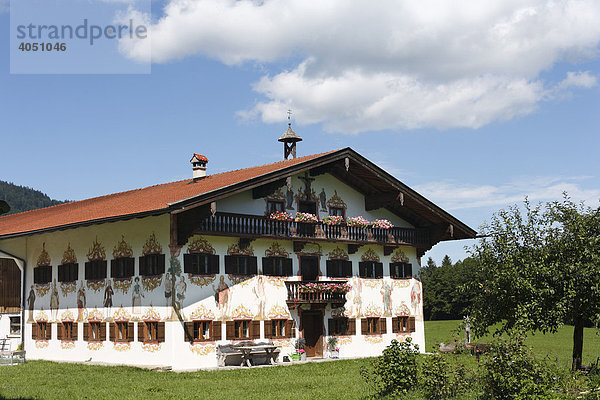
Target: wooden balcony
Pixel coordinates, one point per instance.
(259, 226)
(297, 296)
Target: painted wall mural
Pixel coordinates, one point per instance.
(399, 256)
(336, 201)
(121, 346)
(372, 310)
(151, 315)
(108, 294)
(338, 254)
(241, 312)
(81, 304)
(276, 250)
(203, 349)
(355, 294)
(31, 303)
(415, 297)
(198, 244)
(122, 314)
(54, 301)
(96, 253)
(202, 280)
(402, 310)
(370, 255)
(69, 257)
(95, 315)
(261, 299)
(279, 312)
(43, 261)
(136, 297)
(201, 313)
(386, 294)
(152, 246)
(67, 316)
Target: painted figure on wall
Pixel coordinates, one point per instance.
(323, 199)
(31, 303)
(136, 297)
(180, 289)
(168, 289)
(259, 292)
(289, 195)
(108, 294)
(415, 297)
(222, 297)
(54, 301)
(386, 292)
(81, 302)
(356, 298)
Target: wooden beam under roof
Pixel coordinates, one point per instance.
(267, 189)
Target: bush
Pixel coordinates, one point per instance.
(441, 379)
(395, 370)
(512, 372)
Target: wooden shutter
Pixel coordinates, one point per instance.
(287, 267)
(362, 269)
(363, 326)
(130, 266)
(142, 265)
(188, 331)
(187, 263)
(61, 273)
(395, 323)
(252, 266)
(267, 266)
(393, 270)
(229, 330)
(351, 326)
(331, 327)
(87, 270)
(59, 331)
(113, 268)
(408, 270)
(103, 265)
(230, 265)
(383, 326)
(161, 263)
(49, 331)
(161, 332)
(130, 331)
(411, 324)
(141, 331)
(378, 270)
(269, 329)
(112, 331)
(329, 265)
(75, 337)
(215, 330)
(86, 331)
(34, 331)
(347, 268)
(289, 329)
(213, 264)
(255, 329)
(103, 331)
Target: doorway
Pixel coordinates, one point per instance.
(307, 207)
(309, 268)
(312, 327)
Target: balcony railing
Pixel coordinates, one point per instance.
(296, 295)
(253, 225)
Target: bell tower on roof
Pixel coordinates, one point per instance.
(289, 139)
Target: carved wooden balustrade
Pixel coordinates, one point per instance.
(259, 226)
(296, 295)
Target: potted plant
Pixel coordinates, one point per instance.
(332, 347)
(299, 345)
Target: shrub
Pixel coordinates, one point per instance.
(512, 372)
(441, 379)
(395, 370)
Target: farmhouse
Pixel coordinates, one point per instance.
(166, 274)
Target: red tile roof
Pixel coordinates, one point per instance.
(132, 202)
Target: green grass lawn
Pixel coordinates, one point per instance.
(333, 380)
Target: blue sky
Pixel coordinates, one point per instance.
(474, 109)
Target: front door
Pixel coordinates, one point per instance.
(312, 326)
(309, 268)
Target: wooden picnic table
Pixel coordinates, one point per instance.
(247, 352)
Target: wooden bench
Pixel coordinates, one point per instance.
(12, 357)
(228, 355)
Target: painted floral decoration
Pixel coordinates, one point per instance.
(358, 221)
(281, 216)
(331, 288)
(333, 220)
(306, 217)
(382, 224)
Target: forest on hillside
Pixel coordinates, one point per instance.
(22, 198)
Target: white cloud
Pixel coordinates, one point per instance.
(455, 196)
(388, 64)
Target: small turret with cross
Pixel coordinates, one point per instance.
(289, 139)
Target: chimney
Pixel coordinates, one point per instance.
(199, 166)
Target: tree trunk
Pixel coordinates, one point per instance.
(577, 343)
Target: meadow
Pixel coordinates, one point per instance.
(333, 380)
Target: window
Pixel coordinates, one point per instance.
(240, 265)
(68, 331)
(41, 331)
(122, 267)
(401, 270)
(277, 266)
(307, 207)
(403, 324)
(201, 264)
(373, 326)
(242, 329)
(95, 270)
(121, 332)
(42, 274)
(68, 272)
(151, 331)
(370, 269)
(337, 211)
(338, 326)
(199, 331)
(339, 268)
(15, 325)
(275, 205)
(95, 332)
(278, 328)
(152, 264)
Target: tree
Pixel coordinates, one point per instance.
(538, 269)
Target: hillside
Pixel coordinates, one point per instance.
(22, 198)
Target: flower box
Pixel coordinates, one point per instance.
(382, 224)
(281, 216)
(331, 288)
(306, 218)
(333, 220)
(358, 221)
